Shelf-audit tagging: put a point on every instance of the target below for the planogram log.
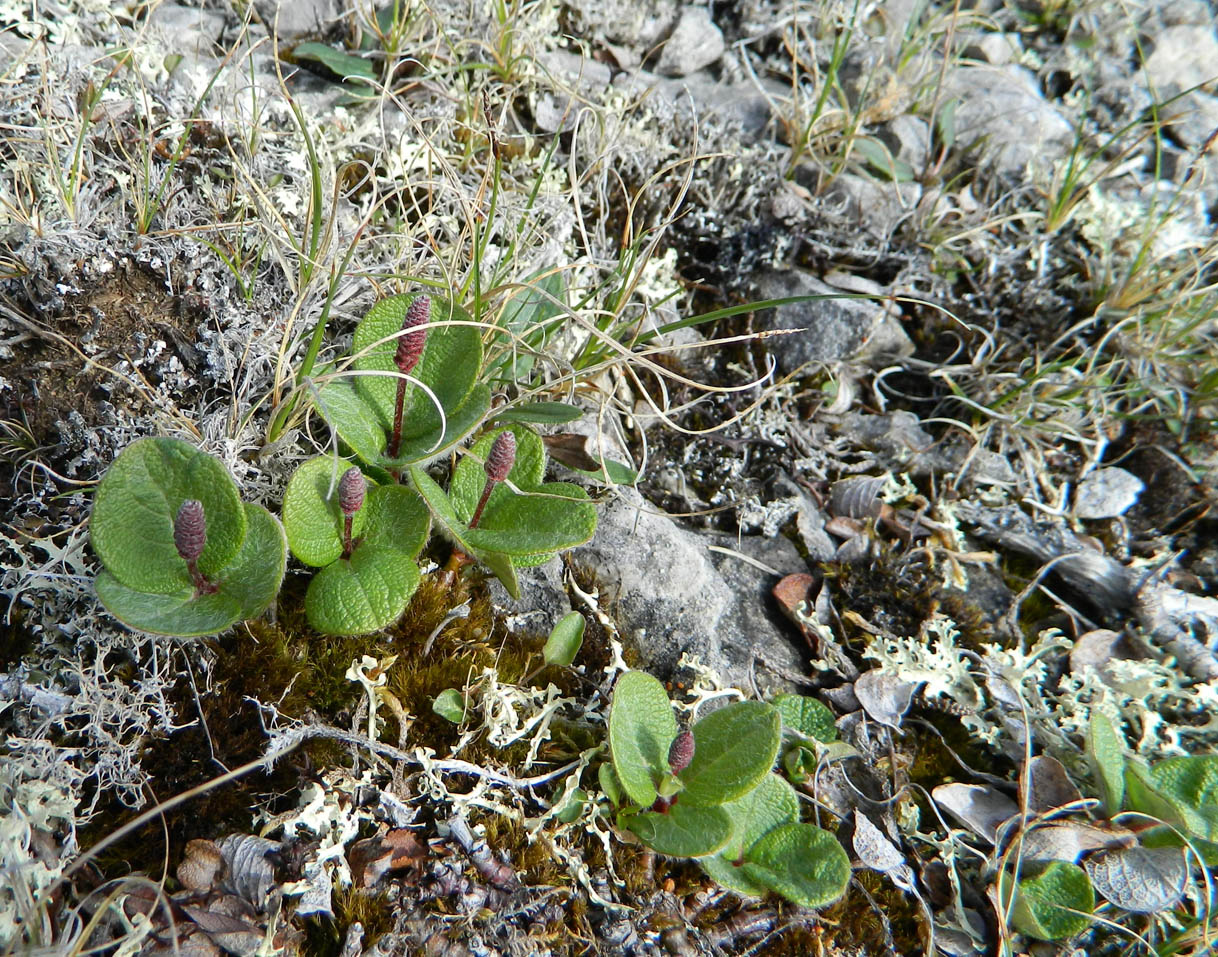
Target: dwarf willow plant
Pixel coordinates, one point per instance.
(499, 510)
(415, 392)
(1055, 900)
(182, 554)
(708, 793)
(364, 541)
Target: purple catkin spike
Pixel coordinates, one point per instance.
(502, 457)
(681, 752)
(351, 488)
(190, 530)
(414, 327)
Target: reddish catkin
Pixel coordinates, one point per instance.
(502, 457)
(351, 488)
(414, 327)
(681, 752)
(190, 530)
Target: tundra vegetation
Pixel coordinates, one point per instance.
(551, 477)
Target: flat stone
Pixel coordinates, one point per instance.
(193, 30)
(829, 330)
(1107, 493)
(639, 24)
(671, 596)
(695, 43)
(741, 105)
(1003, 105)
(878, 207)
(292, 18)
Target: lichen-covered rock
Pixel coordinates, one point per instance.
(695, 43)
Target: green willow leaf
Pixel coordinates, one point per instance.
(801, 862)
(245, 588)
(131, 527)
(642, 726)
(365, 593)
(311, 514)
(681, 831)
(565, 639)
(457, 425)
(735, 747)
(449, 367)
(1056, 903)
(769, 805)
(395, 517)
(353, 419)
(540, 413)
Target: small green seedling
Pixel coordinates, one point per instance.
(182, 554)
(364, 540)
(565, 640)
(709, 793)
(415, 393)
(499, 510)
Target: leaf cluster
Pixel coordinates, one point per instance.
(146, 584)
(725, 808)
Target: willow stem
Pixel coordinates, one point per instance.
(395, 440)
(486, 493)
(347, 536)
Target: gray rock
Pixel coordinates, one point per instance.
(193, 30)
(911, 136)
(1003, 105)
(671, 596)
(877, 207)
(1107, 493)
(632, 23)
(1185, 57)
(292, 18)
(831, 330)
(695, 43)
(996, 49)
(543, 599)
(740, 105)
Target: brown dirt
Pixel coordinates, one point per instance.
(69, 361)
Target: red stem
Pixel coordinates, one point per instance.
(347, 536)
(486, 493)
(203, 585)
(395, 440)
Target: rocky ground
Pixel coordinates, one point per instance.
(939, 449)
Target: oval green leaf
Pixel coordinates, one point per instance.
(550, 518)
(806, 716)
(457, 425)
(450, 705)
(641, 729)
(802, 862)
(469, 477)
(396, 517)
(353, 419)
(311, 514)
(1189, 786)
(540, 413)
(769, 805)
(131, 527)
(1056, 903)
(361, 594)
(1106, 753)
(682, 831)
(565, 639)
(255, 575)
(734, 748)
(181, 614)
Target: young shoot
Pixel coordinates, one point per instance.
(409, 351)
(190, 537)
(499, 462)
